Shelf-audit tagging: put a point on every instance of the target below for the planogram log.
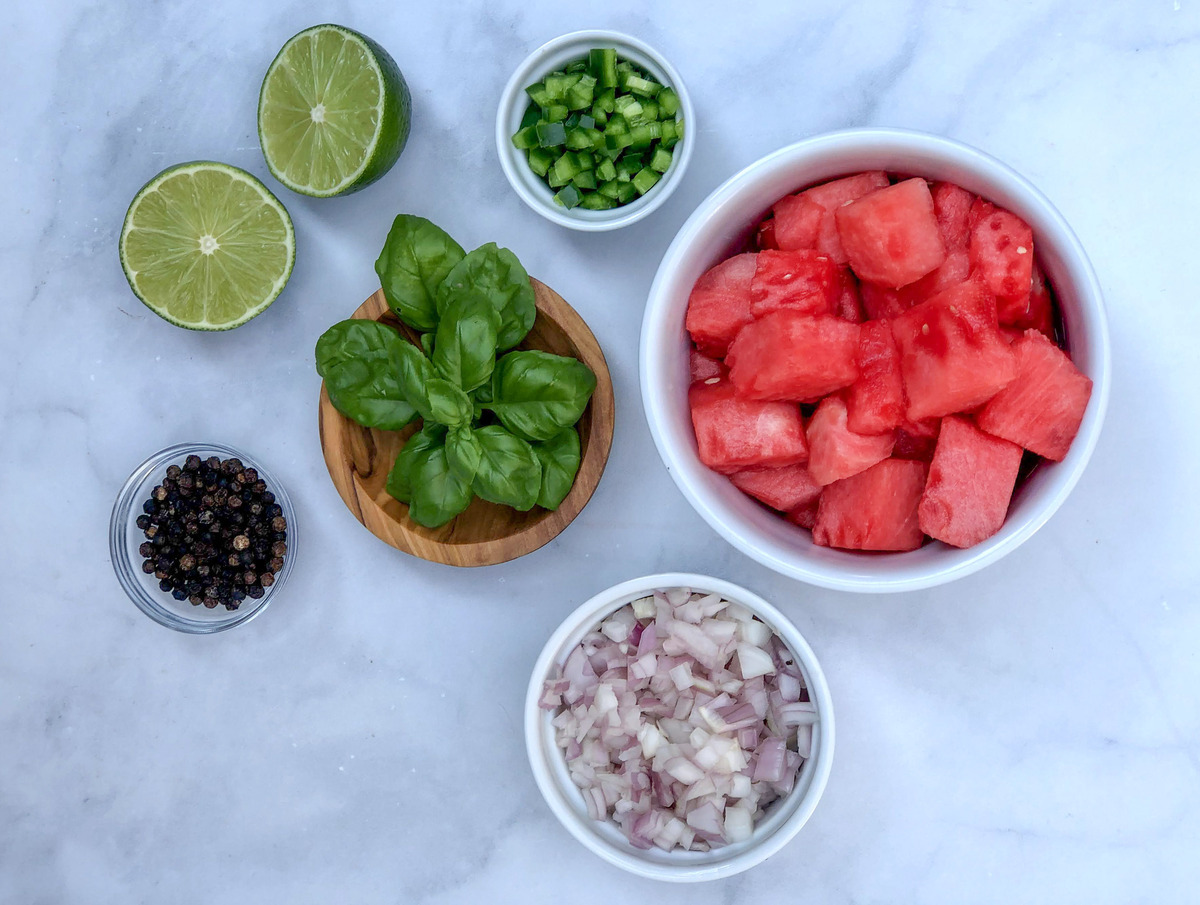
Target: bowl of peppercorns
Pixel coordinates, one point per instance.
(202, 537)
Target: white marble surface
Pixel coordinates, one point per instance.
(1029, 734)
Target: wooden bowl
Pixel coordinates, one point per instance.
(359, 458)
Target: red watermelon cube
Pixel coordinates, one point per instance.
(832, 195)
(874, 510)
(952, 207)
(733, 433)
(1039, 309)
(875, 402)
(731, 275)
(835, 451)
(798, 220)
(764, 236)
(952, 354)
(1001, 253)
(1043, 407)
(891, 236)
(789, 356)
(805, 515)
(849, 302)
(954, 270)
(970, 484)
(719, 305)
(881, 303)
(783, 488)
(701, 367)
(803, 281)
(917, 439)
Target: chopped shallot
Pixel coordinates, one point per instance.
(682, 717)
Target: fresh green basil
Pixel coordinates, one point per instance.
(463, 453)
(358, 359)
(465, 350)
(444, 403)
(560, 457)
(536, 394)
(399, 481)
(416, 258)
(497, 275)
(438, 494)
(509, 472)
(427, 344)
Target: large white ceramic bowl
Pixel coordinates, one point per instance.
(513, 101)
(721, 225)
(784, 817)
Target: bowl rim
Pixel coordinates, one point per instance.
(129, 496)
(656, 331)
(516, 170)
(732, 859)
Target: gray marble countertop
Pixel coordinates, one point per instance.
(1028, 734)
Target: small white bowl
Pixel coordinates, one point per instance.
(784, 818)
(514, 101)
(721, 225)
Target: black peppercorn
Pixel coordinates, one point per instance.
(186, 483)
(250, 577)
(256, 592)
(210, 602)
(266, 579)
(160, 493)
(192, 463)
(279, 524)
(279, 548)
(179, 594)
(165, 584)
(148, 567)
(187, 562)
(213, 462)
(146, 549)
(174, 471)
(268, 498)
(241, 542)
(143, 522)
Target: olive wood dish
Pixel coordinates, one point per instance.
(359, 458)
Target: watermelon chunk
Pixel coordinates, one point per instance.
(1043, 407)
(833, 195)
(952, 207)
(733, 433)
(702, 367)
(764, 236)
(970, 484)
(798, 220)
(875, 402)
(849, 303)
(805, 515)
(881, 303)
(731, 275)
(786, 355)
(873, 510)
(783, 488)
(803, 281)
(954, 270)
(1039, 309)
(1001, 253)
(891, 236)
(917, 439)
(952, 354)
(835, 451)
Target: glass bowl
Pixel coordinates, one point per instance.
(124, 538)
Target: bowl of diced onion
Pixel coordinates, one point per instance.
(680, 727)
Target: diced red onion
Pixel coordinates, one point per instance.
(682, 717)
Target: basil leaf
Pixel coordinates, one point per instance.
(399, 481)
(509, 472)
(434, 398)
(560, 457)
(417, 256)
(496, 274)
(465, 351)
(536, 394)
(438, 495)
(445, 403)
(427, 344)
(463, 453)
(357, 359)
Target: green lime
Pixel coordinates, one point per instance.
(333, 112)
(206, 246)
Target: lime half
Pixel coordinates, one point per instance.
(206, 246)
(333, 112)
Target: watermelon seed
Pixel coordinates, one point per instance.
(713, 380)
(924, 329)
(1022, 250)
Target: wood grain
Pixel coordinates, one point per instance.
(359, 458)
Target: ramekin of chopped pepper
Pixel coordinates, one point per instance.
(591, 130)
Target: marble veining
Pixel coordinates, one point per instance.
(1028, 734)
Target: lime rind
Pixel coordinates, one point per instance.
(284, 96)
(169, 285)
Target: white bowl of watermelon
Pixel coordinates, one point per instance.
(875, 360)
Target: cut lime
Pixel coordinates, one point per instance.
(206, 246)
(333, 112)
